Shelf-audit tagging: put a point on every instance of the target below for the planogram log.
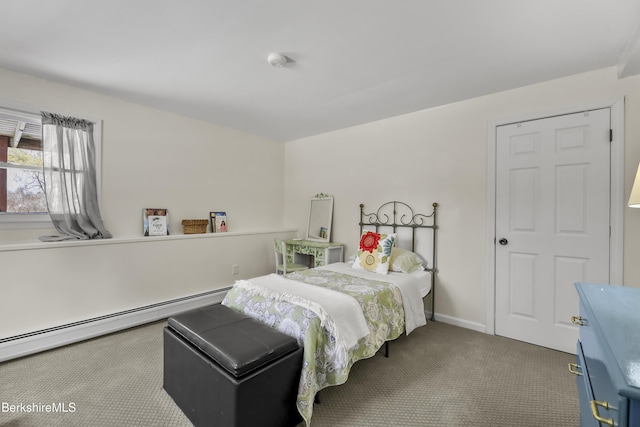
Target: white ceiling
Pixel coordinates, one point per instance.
(353, 61)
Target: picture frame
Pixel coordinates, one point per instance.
(218, 221)
(155, 222)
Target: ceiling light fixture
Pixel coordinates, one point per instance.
(277, 60)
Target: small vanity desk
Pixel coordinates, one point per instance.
(322, 253)
(317, 245)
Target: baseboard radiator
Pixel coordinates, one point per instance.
(45, 339)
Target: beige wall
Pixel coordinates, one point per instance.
(440, 154)
(156, 158)
(150, 158)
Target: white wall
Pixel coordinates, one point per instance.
(440, 155)
(156, 158)
(150, 158)
(153, 158)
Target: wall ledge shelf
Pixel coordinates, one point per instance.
(25, 246)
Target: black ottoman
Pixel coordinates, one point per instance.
(223, 368)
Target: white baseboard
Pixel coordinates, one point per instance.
(12, 348)
(458, 322)
(38, 341)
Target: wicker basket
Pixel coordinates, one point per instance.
(195, 226)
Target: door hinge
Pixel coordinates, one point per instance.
(610, 135)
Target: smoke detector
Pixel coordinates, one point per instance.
(277, 60)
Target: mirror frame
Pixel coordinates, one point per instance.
(315, 221)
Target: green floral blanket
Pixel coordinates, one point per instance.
(323, 364)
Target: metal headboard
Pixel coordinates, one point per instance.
(398, 215)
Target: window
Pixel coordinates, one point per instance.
(22, 197)
(21, 186)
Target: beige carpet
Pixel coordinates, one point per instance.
(440, 375)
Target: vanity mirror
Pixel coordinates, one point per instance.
(320, 216)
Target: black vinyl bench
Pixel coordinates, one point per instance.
(223, 368)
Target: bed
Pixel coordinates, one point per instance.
(344, 312)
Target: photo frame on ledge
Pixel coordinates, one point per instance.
(155, 221)
(218, 221)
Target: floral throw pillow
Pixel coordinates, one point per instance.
(374, 252)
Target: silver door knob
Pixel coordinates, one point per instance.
(503, 241)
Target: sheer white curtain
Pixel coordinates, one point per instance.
(70, 178)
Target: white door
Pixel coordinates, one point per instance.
(552, 223)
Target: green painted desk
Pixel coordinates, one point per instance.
(321, 253)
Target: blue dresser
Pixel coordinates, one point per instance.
(608, 355)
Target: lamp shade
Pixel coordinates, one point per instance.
(634, 199)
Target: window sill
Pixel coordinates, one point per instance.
(10, 221)
(135, 239)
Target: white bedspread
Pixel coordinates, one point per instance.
(339, 313)
(411, 298)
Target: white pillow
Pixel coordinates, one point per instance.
(404, 261)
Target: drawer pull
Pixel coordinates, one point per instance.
(573, 368)
(594, 412)
(577, 320)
